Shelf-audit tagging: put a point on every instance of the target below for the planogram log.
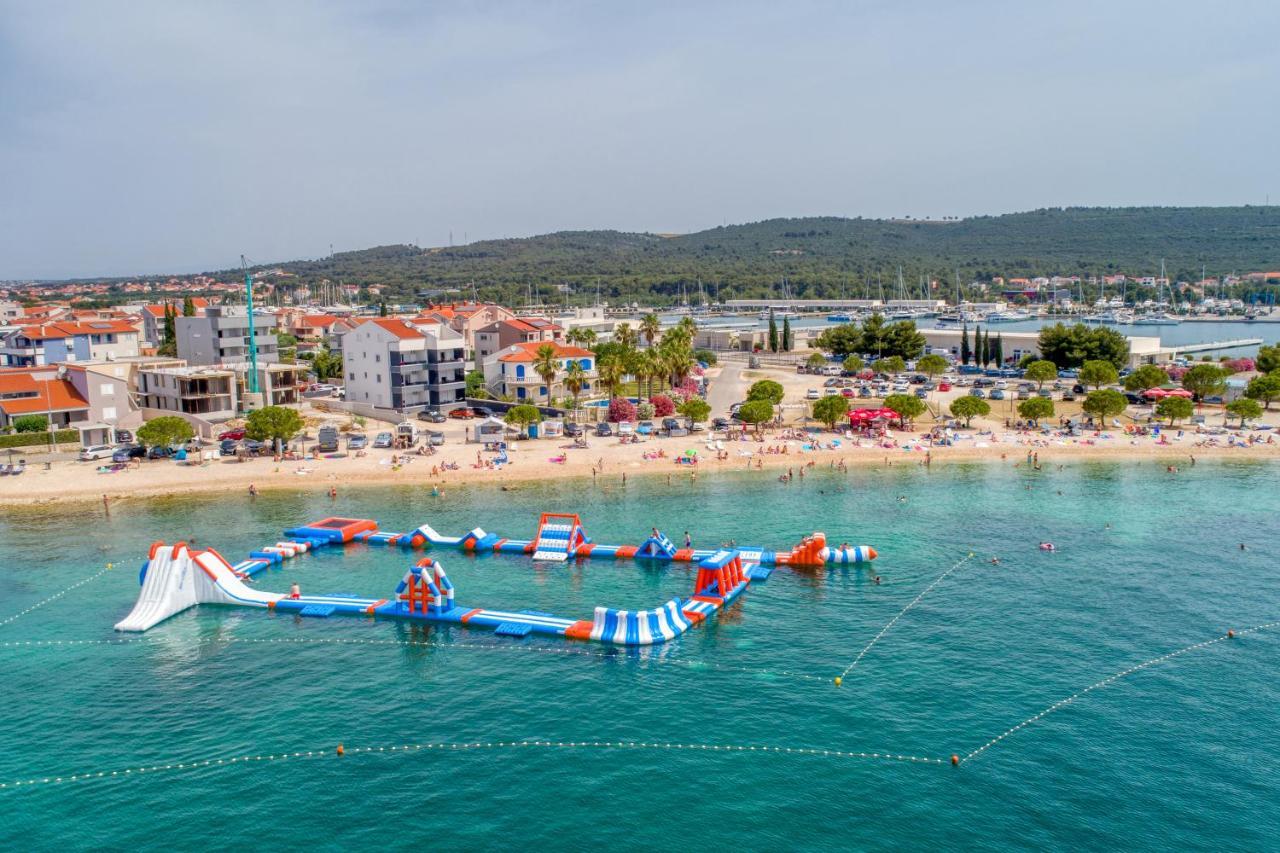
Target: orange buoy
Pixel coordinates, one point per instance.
(955, 760)
(1230, 634)
(341, 751)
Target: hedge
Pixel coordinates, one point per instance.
(39, 439)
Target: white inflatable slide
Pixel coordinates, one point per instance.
(177, 579)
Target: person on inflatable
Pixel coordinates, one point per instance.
(295, 591)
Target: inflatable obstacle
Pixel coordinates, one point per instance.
(559, 537)
(176, 578)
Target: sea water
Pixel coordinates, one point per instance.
(1182, 754)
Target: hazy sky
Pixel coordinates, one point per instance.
(144, 137)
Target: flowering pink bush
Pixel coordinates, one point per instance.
(1175, 373)
(621, 409)
(1240, 365)
(663, 406)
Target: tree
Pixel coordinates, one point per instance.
(892, 364)
(773, 333)
(575, 379)
(189, 307)
(581, 336)
(644, 410)
(908, 406)
(475, 383)
(1071, 346)
(273, 423)
(903, 340)
(1041, 371)
(621, 409)
(966, 352)
(649, 328)
(165, 431)
(979, 348)
(1265, 388)
(523, 416)
(787, 339)
(326, 364)
(30, 423)
(767, 390)
(756, 412)
(1175, 407)
(852, 364)
(816, 360)
(1098, 373)
(705, 356)
(663, 406)
(1244, 408)
(1205, 380)
(1146, 377)
(382, 308)
(695, 409)
(611, 369)
(625, 336)
(1036, 408)
(168, 333)
(546, 364)
(831, 409)
(1105, 404)
(997, 352)
(1268, 360)
(932, 365)
(969, 408)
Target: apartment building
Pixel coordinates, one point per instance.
(511, 371)
(498, 336)
(467, 319)
(221, 336)
(391, 363)
(153, 317)
(68, 342)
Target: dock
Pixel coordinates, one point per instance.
(1216, 345)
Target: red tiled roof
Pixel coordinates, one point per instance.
(528, 351)
(62, 395)
(315, 321)
(400, 328)
(67, 330)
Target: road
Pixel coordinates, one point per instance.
(727, 388)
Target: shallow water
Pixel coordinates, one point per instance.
(1181, 754)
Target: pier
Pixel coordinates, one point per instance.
(1216, 345)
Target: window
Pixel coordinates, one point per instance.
(352, 376)
(519, 371)
(109, 413)
(377, 358)
(106, 389)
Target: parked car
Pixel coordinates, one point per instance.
(1046, 393)
(482, 411)
(645, 428)
(123, 436)
(434, 438)
(573, 430)
(227, 447)
(996, 394)
(626, 428)
(159, 452)
(944, 386)
(1077, 389)
(922, 393)
(383, 440)
(462, 414)
(864, 391)
(255, 447)
(1135, 399)
(984, 382)
(96, 451)
(603, 430)
(698, 426)
(812, 394)
(848, 392)
(124, 454)
(357, 441)
(233, 434)
(432, 416)
(670, 424)
(977, 392)
(721, 423)
(1068, 396)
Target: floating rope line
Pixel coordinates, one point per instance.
(1111, 679)
(482, 647)
(452, 746)
(901, 613)
(56, 595)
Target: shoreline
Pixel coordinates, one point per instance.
(75, 483)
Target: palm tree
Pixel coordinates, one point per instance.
(546, 364)
(649, 327)
(680, 363)
(611, 369)
(574, 378)
(582, 336)
(651, 366)
(626, 336)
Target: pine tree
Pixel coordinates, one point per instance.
(382, 309)
(773, 333)
(787, 339)
(998, 355)
(965, 352)
(980, 348)
(188, 307)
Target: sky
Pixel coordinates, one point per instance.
(143, 138)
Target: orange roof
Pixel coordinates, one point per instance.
(528, 351)
(315, 321)
(158, 310)
(400, 328)
(67, 330)
(62, 395)
(454, 310)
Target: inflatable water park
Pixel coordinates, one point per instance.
(176, 577)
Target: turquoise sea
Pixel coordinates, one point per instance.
(1183, 754)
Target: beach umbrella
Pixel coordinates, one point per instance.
(1179, 392)
(1155, 393)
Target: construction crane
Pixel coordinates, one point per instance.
(253, 343)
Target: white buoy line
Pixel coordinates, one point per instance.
(15, 617)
